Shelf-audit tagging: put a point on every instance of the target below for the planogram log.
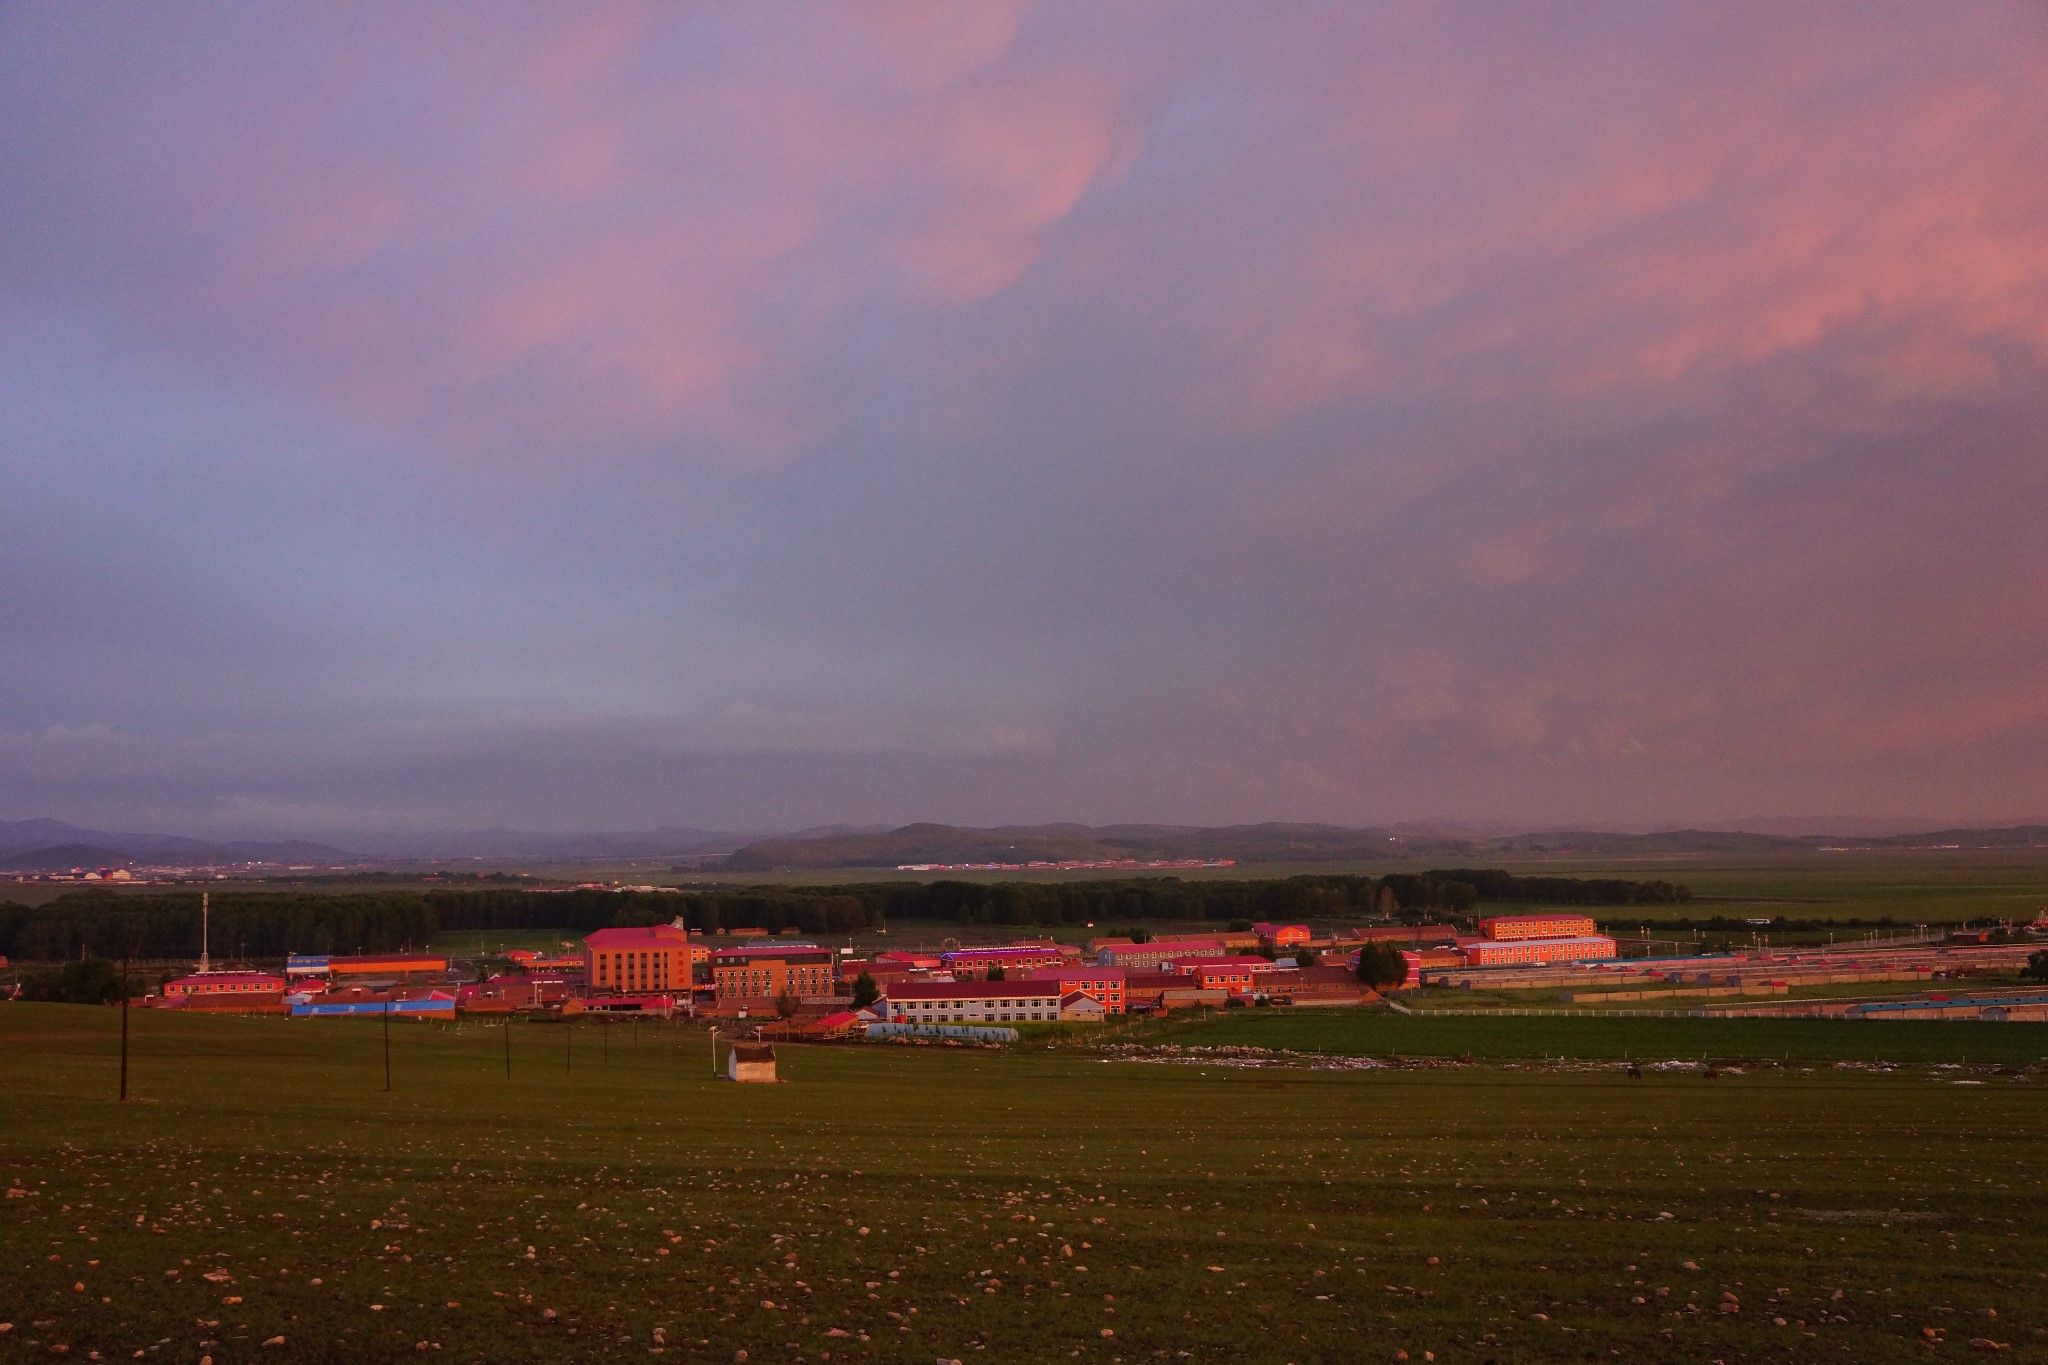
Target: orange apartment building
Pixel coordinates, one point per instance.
(1520, 952)
(1507, 927)
(652, 959)
(767, 972)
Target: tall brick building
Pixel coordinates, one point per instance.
(656, 958)
(765, 972)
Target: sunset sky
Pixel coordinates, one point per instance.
(751, 416)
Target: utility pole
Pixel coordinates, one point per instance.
(714, 1052)
(387, 1045)
(124, 1027)
(205, 963)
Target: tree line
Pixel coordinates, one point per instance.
(267, 924)
(1492, 884)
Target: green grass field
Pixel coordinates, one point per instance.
(1932, 887)
(1372, 1033)
(909, 1204)
(1449, 999)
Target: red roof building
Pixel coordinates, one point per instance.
(1246, 962)
(387, 964)
(838, 1024)
(1328, 986)
(224, 983)
(771, 970)
(1150, 955)
(1281, 935)
(1509, 927)
(1399, 933)
(1080, 1007)
(1102, 984)
(1014, 957)
(1237, 975)
(920, 962)
(1161, 991)
(1521, 952)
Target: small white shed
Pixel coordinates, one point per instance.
(1078, 1007)
(751, 1062)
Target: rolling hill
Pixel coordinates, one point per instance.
(1308, 843)
(45, 845)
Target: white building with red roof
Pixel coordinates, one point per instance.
(973, 1002)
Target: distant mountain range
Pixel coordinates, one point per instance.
(1275, 843)
(500, 842)
(45, 845)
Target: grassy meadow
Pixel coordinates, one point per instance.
(1036, 1204)
(1906, 887)
(1447, 1033)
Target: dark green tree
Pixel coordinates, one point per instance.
(1380, 966)
(88, 981)
(865, 991)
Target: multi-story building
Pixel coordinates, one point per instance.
(1148, 956)
(974, 1002)
(205, 984)
(1281, 935)
(976, 963)
(1517, 952)
(1104, 985)
(651, 959)
(770, 971)
(1508, 927)
(1237, 975)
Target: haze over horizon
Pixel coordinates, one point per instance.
(770, 416)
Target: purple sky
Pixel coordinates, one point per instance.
(756, 415)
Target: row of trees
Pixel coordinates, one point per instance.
(91, 981)
(269, 924)
(1492, 884)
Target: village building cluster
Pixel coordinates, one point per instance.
(796, 988)
(807, 988)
